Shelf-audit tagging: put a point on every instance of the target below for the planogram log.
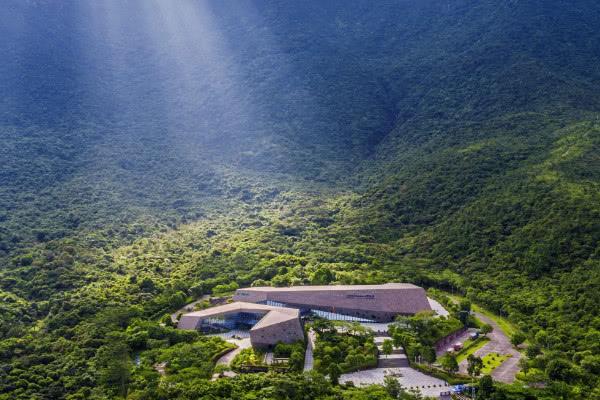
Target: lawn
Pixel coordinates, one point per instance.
(491, 361)
(470, 347)
(507, 327)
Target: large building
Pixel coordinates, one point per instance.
(367, 303)
(268, 324)
(272, 314)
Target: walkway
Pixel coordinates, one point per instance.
(308, 357)
(232, 334)
(499, 343)
(241, 345)
(438, 308)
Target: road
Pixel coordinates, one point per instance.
(499, 343)
(308, 357)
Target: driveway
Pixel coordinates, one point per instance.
(308, 357)
(499, 343)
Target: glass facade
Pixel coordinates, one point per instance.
(339, 317)
(237, 321)
(333, 316)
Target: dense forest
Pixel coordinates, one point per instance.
(153, 152)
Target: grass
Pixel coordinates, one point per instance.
(470, 347)
(452, 379)
(491, 361)
(507, 327)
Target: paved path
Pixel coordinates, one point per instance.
(241, 345)
(269, 358)
(499, 343)
(437, 307)
(408, 377)
(379, 328)
(232, 334)
(308, 356)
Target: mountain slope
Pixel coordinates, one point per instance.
(153, 153)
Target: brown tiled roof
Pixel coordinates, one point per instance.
(377, 302)
(273, 315)
(331, 288)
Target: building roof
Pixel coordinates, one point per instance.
(272, 315)
(376, 302)
(331, 288)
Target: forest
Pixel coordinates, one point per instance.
(154, 154)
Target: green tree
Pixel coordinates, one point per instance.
(485, 329)
(112, 366)
(485, 387)
(474, 366)
(559, 370)
(464, 305)
(392, 386)
(428, 354)
(517, 338)
(322, 276)
(448, 363)
(387, 347)
(524, 365)
(334, 371)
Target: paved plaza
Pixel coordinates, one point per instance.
(233, 334)
(408, 378)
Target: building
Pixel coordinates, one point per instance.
(268, 325)
(272, 314)
(364, 303)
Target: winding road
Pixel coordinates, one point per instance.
(499, 343)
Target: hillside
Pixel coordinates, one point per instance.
(152, 153)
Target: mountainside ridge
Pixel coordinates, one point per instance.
(200, 146)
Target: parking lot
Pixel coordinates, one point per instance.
(408, 378)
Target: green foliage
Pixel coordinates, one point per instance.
(450, 144)
(293, 351)
(387, 347)
(475, 365)
(224, 289)
(418, 334)
(448, 363)
(485, 329)
(248, 357)
(485, 387)
(493, 360)
(517, 338)
(338, 352)
(470, 346)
